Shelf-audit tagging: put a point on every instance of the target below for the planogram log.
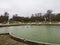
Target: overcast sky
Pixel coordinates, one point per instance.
(27, 7)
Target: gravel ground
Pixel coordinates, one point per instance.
(6, 40)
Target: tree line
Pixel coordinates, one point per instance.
(37, 17)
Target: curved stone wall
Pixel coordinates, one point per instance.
(28, 41)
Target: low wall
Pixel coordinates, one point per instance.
(6, 25)
(30, 42)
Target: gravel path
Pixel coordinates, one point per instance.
(6, 40)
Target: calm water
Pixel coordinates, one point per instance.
(3, 30)
(50, 34)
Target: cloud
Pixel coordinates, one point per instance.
(27, 7)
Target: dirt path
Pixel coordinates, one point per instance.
(6, 40)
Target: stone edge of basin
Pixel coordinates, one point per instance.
(6, 25)
(28, 41)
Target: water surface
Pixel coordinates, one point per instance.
(48, 34)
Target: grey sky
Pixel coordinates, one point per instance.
(27, 7)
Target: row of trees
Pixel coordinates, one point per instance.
(4, 18)
(38, 17)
